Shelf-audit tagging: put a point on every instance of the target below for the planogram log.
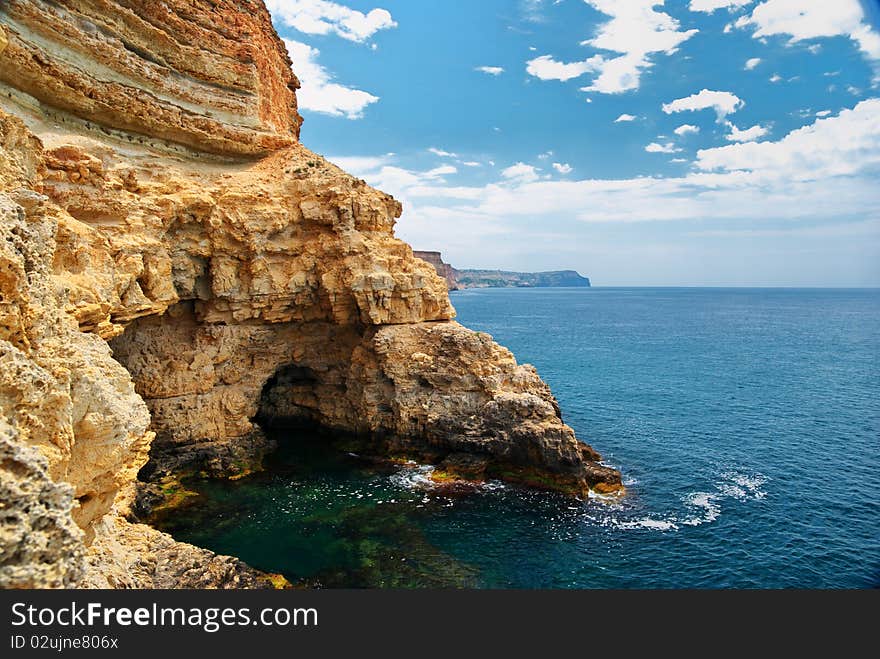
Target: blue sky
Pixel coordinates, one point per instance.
(687, 142)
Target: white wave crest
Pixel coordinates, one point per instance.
(702, 507)
(707, 503)
(648, 523)
(414, 476)
(749, 485)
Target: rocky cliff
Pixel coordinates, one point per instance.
(176, 269)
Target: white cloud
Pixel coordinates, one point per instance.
(752, 63)
(318, 93)
(521, 173)
(711, 5)
(360, 165)
(668, 147)
(686, 129)
(442, 170)
(562, 168)
(490, 70)
(532, 10)
(396, 179)
(472, 163)
(859, 228)
(616, 75)
(823, 113)
(637, 28)
(545, 156)
(723, 103)
(636, 31)
(678, 160)
(625, 117)
(325, 17)
(748, 135)
(692, 197)
(812, 19)
(835, 146)
(547, 68)
(382, 173)
(775, 78)
(442, 153)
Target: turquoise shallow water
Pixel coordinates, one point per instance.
(746, 424)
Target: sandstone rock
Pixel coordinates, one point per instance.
(40, 545)
(465, 465)
(208, 75)
(126, 555)
(59, 387)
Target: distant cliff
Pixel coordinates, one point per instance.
(443, 269)
(458, 279)
(499, 278)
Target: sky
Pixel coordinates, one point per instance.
(639, 142)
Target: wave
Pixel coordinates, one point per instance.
(697, 508)
(648, 523)
(701, 507)
(705, 502)
(415, 476)
(743, 486)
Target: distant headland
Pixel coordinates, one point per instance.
(459, 279)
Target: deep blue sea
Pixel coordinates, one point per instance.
(746, 423)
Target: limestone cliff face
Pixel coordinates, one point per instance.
(73, 432)
(176, 267)
(209, 75)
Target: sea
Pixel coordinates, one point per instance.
(745, 422)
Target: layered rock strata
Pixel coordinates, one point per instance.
(213, 76)
(153, 195)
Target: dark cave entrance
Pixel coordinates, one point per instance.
(295, 406)
(289, 400)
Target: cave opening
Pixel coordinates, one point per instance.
(289, 400)
(230, 400)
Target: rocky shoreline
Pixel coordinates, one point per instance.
(177, 269)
